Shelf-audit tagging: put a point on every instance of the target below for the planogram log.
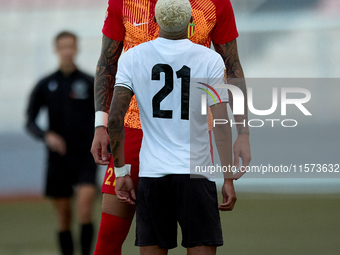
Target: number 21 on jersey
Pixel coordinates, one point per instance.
(184, 75)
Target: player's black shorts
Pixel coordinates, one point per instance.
(64, 172)
(162, 202)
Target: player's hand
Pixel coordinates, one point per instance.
(241, 150)
(125, 190)
(229, 196)
(55, 142)
(99, 146)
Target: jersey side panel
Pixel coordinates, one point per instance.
(139, 28)
(204, 13)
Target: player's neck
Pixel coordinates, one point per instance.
(67, 68)
(174, 36)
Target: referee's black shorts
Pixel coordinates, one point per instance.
(162, 202)
(65, 172)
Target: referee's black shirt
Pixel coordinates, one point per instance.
(70, 104)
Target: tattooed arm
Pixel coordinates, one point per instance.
(103, 88)
(235, 76)
(119, 106)
(120, 103)
(105, 73)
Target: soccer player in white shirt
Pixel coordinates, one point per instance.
(165, 75)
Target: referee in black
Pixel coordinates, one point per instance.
(68, 96)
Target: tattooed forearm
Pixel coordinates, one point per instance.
(235, 76)
(120, 104)
(105, 73)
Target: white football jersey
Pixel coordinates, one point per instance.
(168, 78)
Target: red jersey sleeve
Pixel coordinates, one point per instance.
(225, 29)
(113, 25)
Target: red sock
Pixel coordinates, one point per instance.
(112, 233)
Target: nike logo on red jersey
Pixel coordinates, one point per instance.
(139, 24)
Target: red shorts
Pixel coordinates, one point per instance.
(133, 141)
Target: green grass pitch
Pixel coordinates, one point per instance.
(260, 224)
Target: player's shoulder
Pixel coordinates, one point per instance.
(138, 51)
(208, 58)
(143, 46)
(115, 3)
(205, 53)
(221, 3)
(114, 7)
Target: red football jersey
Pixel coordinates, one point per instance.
(131, 21)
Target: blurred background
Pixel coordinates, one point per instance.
(282, 43)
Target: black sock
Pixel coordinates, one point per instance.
(86, 237)
(66, 243)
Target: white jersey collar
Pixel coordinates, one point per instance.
(167, 46)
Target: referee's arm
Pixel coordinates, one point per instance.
(54, 141)
(34, 105)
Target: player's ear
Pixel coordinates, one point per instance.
(154, 19)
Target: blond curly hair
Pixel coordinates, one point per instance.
(173, 15)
